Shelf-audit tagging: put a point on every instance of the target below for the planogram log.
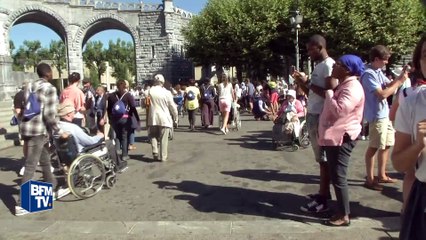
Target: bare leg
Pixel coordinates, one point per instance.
(225, 116)
(369, 163)
(382, 158)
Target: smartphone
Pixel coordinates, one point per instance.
(292, 70)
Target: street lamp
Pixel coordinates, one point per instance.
(295, 21)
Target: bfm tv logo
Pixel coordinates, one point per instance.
(36, 196)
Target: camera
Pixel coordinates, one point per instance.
(407, 68)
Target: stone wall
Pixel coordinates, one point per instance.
(155, 29)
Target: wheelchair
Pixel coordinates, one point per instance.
(281, 140)
(88, 171)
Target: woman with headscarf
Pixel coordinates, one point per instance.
(339, 127)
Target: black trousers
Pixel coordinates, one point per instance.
(338, 161)
(191, 117)
(414, 221)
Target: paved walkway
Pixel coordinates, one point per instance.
(214, 187)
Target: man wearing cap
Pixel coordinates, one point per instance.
(160, 118)
(66, 112)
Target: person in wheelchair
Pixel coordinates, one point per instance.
(66, 113)
(290, 112)
(260, 108)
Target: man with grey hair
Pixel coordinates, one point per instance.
(161, 116)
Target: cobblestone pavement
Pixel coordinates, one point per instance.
(214, 186)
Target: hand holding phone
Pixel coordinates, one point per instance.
(299, 76)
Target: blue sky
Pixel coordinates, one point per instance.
(31, 31)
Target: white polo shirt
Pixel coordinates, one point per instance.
(410, 112)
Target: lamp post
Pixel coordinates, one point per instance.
(295, 21)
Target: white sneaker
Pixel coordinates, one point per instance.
(19, 211)
(226, 130)
(223, 130)
(62, 192)
(21, 172)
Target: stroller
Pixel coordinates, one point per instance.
(289, 134)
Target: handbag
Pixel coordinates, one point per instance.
(14, 121)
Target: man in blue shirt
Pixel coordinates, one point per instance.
(377, 88)
(66, 113)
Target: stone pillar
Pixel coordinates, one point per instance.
(7, 86)
(168, 11)
(75, 53)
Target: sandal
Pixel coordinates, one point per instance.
(337, 223)
(373, 186)
(387, 180)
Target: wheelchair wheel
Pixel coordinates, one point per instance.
(110, 181)
(295, 147)
(304, 136)
(86, 176)
(238, 122)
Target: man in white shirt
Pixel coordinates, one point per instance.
(315, 88)
(161, 117)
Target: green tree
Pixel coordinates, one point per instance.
(354, 26)
(29, 55)
(94, 57)
(121, 56)
(236, 33)
(256, 35)
(57, 53)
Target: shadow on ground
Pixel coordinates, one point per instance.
(235, 200)
(276, 175)
(259, 140)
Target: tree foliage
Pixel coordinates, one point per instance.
(121, 56)
(354, 26)
(94, 57)
(257, 34)
(58, 55)
(29, 55)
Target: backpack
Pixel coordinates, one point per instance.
(119, 109)
(190, 95)
(32, 106)
(207, 94)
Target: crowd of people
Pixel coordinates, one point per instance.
(337, 99)
(345, 93)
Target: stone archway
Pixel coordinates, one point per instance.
(41, 15)
(96, 24)
(30, 13)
